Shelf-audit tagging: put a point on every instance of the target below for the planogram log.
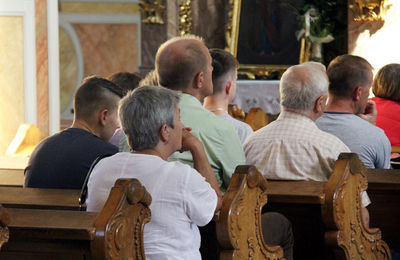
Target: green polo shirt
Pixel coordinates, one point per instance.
(220, 140)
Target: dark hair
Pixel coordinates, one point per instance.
(95, 93)
(125, 80)
(346, 72)
(387, 82)
(176, 68)
(223, 63)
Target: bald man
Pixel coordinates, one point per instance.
(184, 64)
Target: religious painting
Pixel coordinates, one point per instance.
(262, 36)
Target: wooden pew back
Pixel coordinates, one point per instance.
(239, 224)
(326, 216)
(346, 231)
(116, 232)
(384, 192)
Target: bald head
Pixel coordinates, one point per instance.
(301, 85)
(179, 60)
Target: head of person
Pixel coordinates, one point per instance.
(150, 115)
(184, 63)
(150, 79)
(387, 82)
(350, 79)
(96, 104)
(125, 80)
(304, 89)
(224, 72)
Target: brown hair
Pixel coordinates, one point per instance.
(223, 63)
(387, 82)
(346, 72)
(177, 65)
(125, 80)
(95, 93)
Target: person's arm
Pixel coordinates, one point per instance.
(370, 112)
(201, 164)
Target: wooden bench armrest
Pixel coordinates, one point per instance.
(342, 215)
(119, 226)
(239, 224)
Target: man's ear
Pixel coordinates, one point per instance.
(356, 95)
(164, 133)
(228, 87)
(319, 104)
(199, 78)
(102, 116)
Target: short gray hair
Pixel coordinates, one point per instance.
(302, 84)
(144, 111)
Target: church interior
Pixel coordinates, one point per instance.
(48, 47)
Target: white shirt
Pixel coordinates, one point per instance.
(181, 201)
(242, 129)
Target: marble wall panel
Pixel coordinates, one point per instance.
(42, 66)
(11, 78)
(376, 41)
(108, 48)
(68, 69)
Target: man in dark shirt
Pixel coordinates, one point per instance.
(62, 160)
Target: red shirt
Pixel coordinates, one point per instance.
(388, 119)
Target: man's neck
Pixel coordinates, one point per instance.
(340, 105)
(194, 93)
(81, 124)
(310, 115)
(217, 105)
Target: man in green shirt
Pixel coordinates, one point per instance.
(184, 64)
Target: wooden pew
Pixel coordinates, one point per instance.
(384, 192)
(326, 216)
(236, 232)
(114, 233)
(35, 198)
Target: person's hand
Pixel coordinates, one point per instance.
(189, 141)
(370, 112)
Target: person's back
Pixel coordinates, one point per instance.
(184, 64)
(242, 129)
(182, 197)
(350, 115)
(63, 160)
(369, 142)
(292, 147)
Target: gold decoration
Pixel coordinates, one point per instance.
(185, 17)
(368, 10)
(152, 11)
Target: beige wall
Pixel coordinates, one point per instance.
(11, 78)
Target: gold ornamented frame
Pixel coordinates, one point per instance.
(253, 71)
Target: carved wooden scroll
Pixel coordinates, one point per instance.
(347, 234)
(119, 226)
(239, 224)
(4, 221)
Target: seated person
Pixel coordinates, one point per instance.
(386, 88)
(185, 64)
(224, 82)
(126, 81)
(182, 197)
(292, 147)
(62, 160)
(349, 114)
